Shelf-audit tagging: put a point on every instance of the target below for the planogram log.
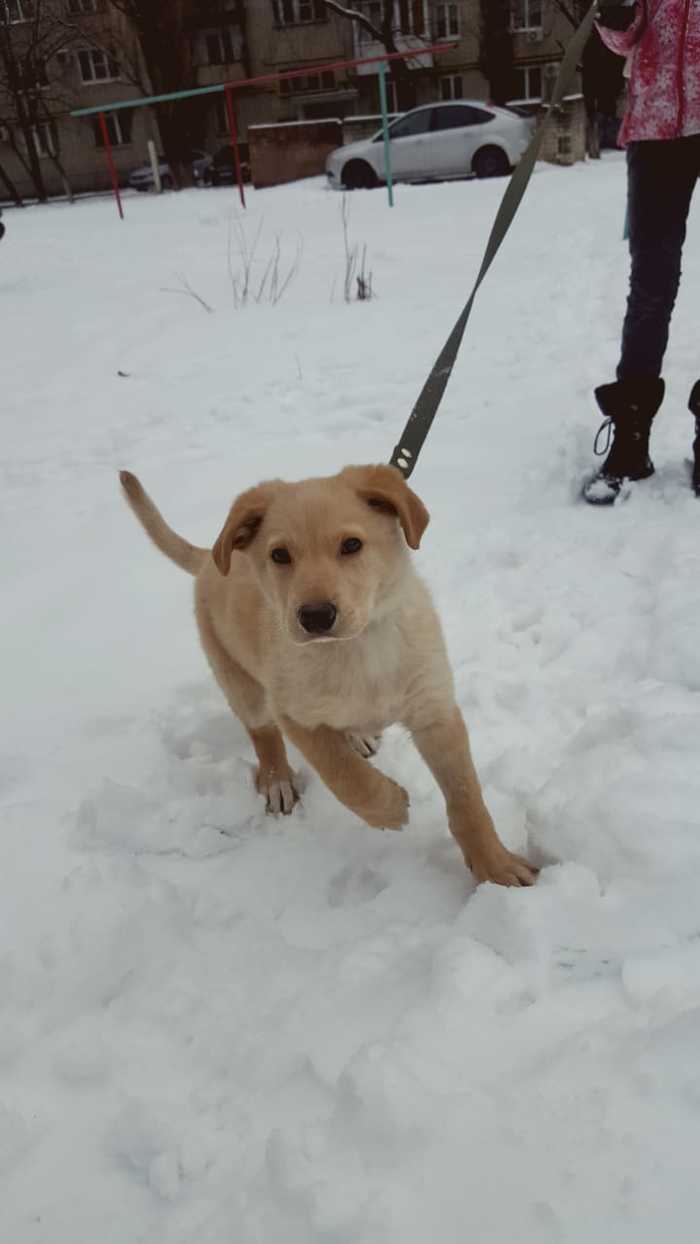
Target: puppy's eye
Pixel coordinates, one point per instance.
(351, 545)
(282, 557)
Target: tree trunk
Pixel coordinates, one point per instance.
(30, 162)
(10, 187)
(593, 136)
(67, 188)
(167, 54)
(13, 87)
(496, 59)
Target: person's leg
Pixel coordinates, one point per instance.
(661, 179)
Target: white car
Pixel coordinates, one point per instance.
(435, 141)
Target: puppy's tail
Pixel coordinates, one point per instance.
(187, 556)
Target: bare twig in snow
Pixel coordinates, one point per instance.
(272, 284)
(187, 289)
(361, 277)
(290, 275)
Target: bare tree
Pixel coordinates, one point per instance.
(32, 97)
(395, 20)
(154, 44)
(164, 29)
(150, 42)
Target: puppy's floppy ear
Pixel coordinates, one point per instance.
(241, 526)
(384, 488)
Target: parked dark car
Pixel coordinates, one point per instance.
(141, 178)
(221, 170)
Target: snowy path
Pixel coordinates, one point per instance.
(217, 1028)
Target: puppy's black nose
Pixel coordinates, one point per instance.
(317, 618)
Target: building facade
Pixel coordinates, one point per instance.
(83, 53)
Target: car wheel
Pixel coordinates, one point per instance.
(490, 162)
(358, 175)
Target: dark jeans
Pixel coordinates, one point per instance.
(661, 177)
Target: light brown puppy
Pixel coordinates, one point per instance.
(317, 627)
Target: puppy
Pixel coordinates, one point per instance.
(317, 628)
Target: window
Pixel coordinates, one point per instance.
(97, 66)
(451, 86)
(308, 82)
(82, 6)
(411, 126)
(409, 18)
(214, 8)
(13, 11)
(450, 118)
(45, 139)
(446, 21)
(220, 48)
(298, 12)
(456, 116)
(528, 79)
(118, 129)
(412, 17)
(526, 15)
(372, 10)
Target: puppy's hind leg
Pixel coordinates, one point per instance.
(246, 698)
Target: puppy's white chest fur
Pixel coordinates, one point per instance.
(353, 685)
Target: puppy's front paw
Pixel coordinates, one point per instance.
(278, 790)
(389, 807)
(501, 867)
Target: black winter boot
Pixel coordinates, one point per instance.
(629, 407)
(694, 408)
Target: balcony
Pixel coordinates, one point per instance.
(215, 13)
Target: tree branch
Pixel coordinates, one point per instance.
(353, 16)
(564, 8)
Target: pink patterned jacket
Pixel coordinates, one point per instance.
(663, 46)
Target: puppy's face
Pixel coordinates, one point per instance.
(328, 553)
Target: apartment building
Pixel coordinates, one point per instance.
(86, 54)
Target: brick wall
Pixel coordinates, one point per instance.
(287, 152)
(565, 140)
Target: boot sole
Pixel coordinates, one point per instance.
(622, 493)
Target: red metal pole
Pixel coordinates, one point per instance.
(110, 162)
(233, 129)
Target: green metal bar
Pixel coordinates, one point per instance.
(437, 49)
(385, 131)
(150, 99)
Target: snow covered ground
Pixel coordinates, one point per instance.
(219, 1028)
